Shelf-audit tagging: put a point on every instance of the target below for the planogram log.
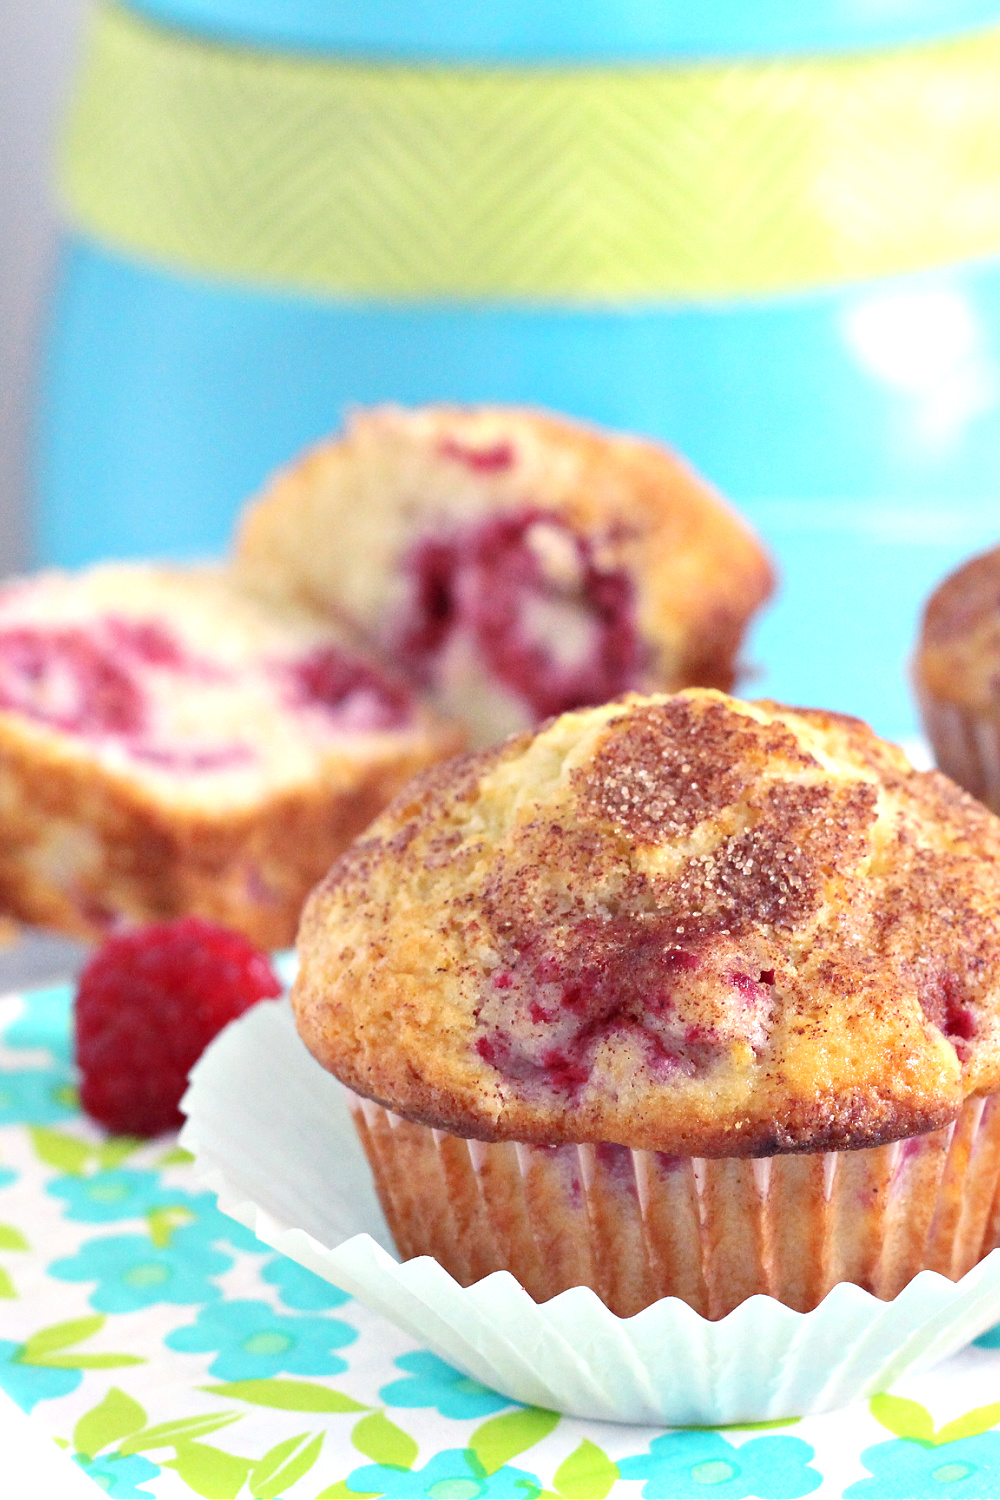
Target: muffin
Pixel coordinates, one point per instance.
(679, 996)
(172, 744)
(957, 676)
(517, 564)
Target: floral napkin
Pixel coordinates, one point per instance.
(172, 1354)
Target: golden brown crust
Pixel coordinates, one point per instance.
(682, 924)
(84, 848)
(699, 571)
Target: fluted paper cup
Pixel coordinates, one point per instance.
(640, 1225)
(271, 1132)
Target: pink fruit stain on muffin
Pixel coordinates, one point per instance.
(66, 678)
(432, 567)
(353, 693)
(674, 969)
(195, 758)
(147, 641)
(494, 458)
(621, 980)
(83, 679)
(89, 681)
(944, 1004)
(152, 644)
(550, 626)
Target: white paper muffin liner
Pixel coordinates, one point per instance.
(272, 1135)
(637, 1226)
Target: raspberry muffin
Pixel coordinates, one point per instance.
(516, 564)
(677, 996)
(957, 676)
(170, 743)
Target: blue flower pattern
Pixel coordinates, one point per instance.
(35, 1096)
(45, 1022)
(302, 1289)
(39, 1096)
(692, 1465)
(106, 1197)
(969, 1467)
(120, 1476)
(208, 1225)
(431, 1382)
(131, 1272)
(449, 1476)
(28, 1384)
(253, 1342)
(127, 1193)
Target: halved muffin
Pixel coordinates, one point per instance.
(172, 743)
(516, 563)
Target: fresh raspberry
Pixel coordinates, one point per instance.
(148, 1004)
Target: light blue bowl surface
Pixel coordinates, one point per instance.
(546, 31)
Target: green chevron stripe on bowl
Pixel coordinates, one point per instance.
(580, 184)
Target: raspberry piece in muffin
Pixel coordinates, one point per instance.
(522, 590)
(171, 742)
(147, 1005)
(520, 565)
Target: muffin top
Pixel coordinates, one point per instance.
(958, 657)
(681, 923)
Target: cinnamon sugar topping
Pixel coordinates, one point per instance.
(682, 924)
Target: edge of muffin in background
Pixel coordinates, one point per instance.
(514, 564)
(956, 674)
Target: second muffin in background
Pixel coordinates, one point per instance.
(517, 563)
(679, 996)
